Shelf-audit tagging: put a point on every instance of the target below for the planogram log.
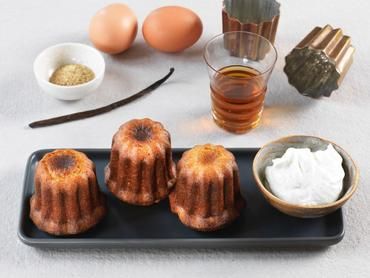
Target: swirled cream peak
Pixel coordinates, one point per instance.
(304, 177)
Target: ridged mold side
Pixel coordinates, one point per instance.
(334, 44)
(260, 17)
(318, 64)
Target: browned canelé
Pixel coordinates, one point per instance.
(207, 192)
(141, 170)
(67, 199)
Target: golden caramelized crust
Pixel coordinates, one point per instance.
(66, 164)
(141, 170)
(67, 199)
(207, 192)
(208, 157)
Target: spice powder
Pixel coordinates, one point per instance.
(70, 75)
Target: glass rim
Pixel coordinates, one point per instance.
(244, 32)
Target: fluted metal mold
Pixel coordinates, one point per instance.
(318, 64)
(257, 16)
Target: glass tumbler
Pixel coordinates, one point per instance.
(239, 66)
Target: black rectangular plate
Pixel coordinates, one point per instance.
(155, 226)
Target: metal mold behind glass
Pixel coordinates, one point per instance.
(256, 16)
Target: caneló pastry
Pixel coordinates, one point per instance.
(67, 199)
(207, 193)
(141, 170)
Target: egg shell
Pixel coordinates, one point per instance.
(172, 28)
(113, 28)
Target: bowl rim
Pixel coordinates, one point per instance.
(97, 76)
(346, 196)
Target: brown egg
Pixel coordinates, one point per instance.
(113, 29)
(172, 28)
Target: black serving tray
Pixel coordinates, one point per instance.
(132, 226)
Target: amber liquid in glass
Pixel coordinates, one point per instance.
(238, 94)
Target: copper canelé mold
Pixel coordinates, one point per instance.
(256, 16)
(318, 64)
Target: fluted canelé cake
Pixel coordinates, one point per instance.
(67, 199)
(207, 193)
(141, 170)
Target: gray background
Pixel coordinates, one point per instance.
(27, 27)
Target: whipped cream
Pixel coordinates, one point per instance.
(307, 178)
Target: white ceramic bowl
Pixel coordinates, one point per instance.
(68, 53)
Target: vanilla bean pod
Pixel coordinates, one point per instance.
(101, 110)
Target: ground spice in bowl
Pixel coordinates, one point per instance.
(70, 75)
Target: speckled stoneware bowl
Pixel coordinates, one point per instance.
(276, 149)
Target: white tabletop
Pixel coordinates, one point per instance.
(182, 105)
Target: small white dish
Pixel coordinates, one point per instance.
(68, 53)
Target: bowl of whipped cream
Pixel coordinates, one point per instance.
(305, 176)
